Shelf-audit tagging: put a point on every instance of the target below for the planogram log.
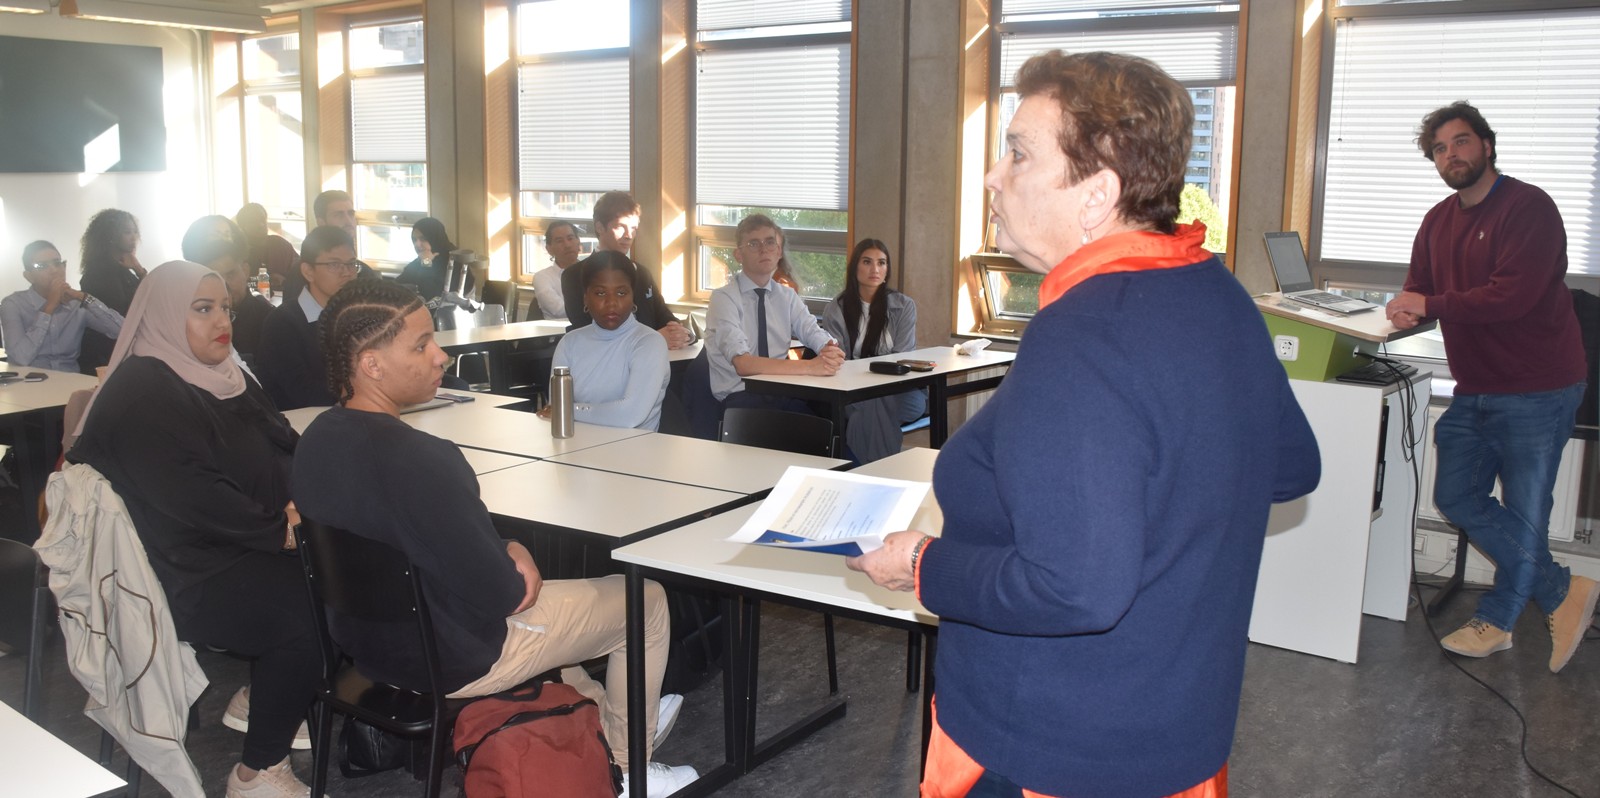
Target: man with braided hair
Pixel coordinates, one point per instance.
(360, 468)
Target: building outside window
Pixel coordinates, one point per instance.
(273, 131)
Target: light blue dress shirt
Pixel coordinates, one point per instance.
(51, 341)
(731, 328)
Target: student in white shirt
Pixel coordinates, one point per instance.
(562, 242)
(752, 319)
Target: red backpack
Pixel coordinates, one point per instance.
(541, 740)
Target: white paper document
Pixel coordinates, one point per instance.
(832, 511)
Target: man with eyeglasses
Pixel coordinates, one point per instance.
(331, 209)
(752, 319)
(616, 220)
(290, 362)
(44, 324)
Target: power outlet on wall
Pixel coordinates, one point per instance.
(1287, 347)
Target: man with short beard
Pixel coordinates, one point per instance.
(1488, 264)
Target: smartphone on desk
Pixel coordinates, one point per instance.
(888, 367)
(918, 365)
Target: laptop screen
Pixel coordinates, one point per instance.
(1289, 262)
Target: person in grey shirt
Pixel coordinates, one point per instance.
(43, 325)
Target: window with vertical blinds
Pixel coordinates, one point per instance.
(572, 125)
(386, 118)
(773, 127)
(1534, 77)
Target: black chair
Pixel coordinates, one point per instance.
(785, 431)
(778, 429)
(502, 293)
(367, 581)
(25, 604)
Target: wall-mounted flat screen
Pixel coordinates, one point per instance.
(80, 107)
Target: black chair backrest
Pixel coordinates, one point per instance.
(363, 580)
(23, 600)
(778, 429)
(502, 293)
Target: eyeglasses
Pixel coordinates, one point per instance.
(759, 244)
(340, 265)
(46, 264)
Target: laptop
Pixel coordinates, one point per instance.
(1294, 277)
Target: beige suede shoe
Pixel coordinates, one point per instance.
(1476, 639)
(1571, 620)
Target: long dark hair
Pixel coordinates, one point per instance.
(100, 247)
(432, 231)
(850, 300)
(365, 314)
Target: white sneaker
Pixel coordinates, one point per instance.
(237, 717)
(666, 716)
(277, 781)
(663, 780)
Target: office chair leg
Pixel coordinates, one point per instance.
(913, 661)
(107, 743)
(438, 739)
(833, 660)
(135, 775)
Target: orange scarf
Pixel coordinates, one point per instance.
(1133, 251)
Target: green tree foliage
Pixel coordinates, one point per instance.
(1196, 205)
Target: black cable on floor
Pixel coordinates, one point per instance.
(1409, 443)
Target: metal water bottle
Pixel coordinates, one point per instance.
(561, 402)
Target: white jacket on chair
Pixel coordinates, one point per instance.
(121, 643)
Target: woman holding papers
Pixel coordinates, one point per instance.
(1105, 511)
(619, 366)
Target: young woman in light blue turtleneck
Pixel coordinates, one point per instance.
(619, 366)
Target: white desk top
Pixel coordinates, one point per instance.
(483, 462)
(510, 431)
(693, 461)
(501, 332)
(597, 502)
(856, 374)
(301, 417)
(1371, 325)
(702, 550)
(689, 352)
(33, 762)
(52, 392)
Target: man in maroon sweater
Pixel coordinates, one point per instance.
(1488, 264)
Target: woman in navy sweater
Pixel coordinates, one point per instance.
(1105, 512)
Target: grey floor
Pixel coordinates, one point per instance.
(1403, 722)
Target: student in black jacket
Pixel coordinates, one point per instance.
(111, 274)
(290, 360)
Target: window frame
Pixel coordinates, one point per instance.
(992, 322)
(529, 227)
(703, 235)
(1369, 275)
(390, 218)
(290, 220)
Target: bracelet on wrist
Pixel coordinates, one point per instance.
(916, 552)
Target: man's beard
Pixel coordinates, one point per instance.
(1465, 179)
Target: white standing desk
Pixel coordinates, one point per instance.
(36, 764)
(694, 461)
(1329, 557)
(701, 553)
(510, 431)
(855, 382)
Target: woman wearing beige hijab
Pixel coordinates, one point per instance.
(201, 459)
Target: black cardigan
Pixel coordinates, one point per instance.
(289, 359)
(114, 285)
(205, 479)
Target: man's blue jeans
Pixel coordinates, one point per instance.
(1518, 438)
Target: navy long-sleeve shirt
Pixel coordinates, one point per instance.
(1104, 519)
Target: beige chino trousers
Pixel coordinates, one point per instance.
(575, 620)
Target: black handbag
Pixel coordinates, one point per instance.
(366, 750)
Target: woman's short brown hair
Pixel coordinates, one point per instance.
(1122, 113)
